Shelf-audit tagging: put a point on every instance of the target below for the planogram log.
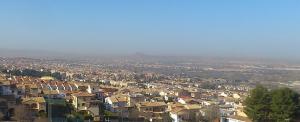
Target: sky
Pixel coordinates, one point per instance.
(262, 28)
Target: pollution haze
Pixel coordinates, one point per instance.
(183, 28)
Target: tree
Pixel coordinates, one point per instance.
(279, 105)
(69, 106)
(57, 75)
(75, 117)
(42, 113)
(284, 104)
(258, 104)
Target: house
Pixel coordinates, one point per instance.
(35, 103)
(5, 88)
(67, 86)
(105, 81)
(113, 103)
(94, 109)
(53, 94)
(31, 90)
(196, 94)
(7, 102)
(186, 113)
(100, 95)
(153, 111)
(44, 86)
(93, 89)
(81, 100)
(231, 114)
(105, 92)
(119, 105)
(84, 101)
(157, 99)
(235, 119)
(223, 94)
(136, 98)
(188, 100)
(206, 103)
(20, 90)
(53, 85)
(47, 78)
(236, 96)
(129, 84)
(61, 86)
(182, 93)
(170, 97)
(83, 88)
(71, 86)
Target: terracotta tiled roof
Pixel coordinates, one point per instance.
(50, 92)
(192, 106)
(83, 94)
(177, 109)
(4, 83)
(120, 98)
(152, 104)
(33, 99)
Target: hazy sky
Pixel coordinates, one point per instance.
(166, 27)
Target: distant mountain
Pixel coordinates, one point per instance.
(32, 53)
(136, 57)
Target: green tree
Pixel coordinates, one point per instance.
(57, 75)
(69, 106)
(284, 105)
(75, 117)
(258, 104)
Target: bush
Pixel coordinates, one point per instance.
(42, 113)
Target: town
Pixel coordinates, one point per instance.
(59, 90)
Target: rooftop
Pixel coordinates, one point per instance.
(33, 99)
(152, 104)
(83, 94)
